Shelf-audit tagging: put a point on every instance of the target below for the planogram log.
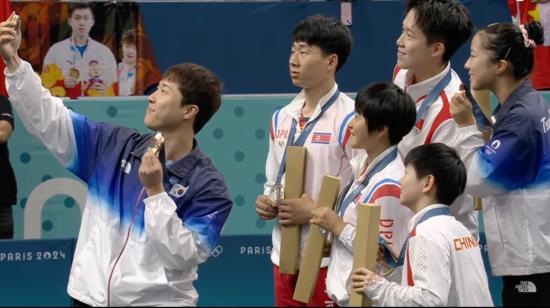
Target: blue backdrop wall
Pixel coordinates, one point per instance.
(248, 44)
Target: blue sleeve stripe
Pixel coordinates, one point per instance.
(489, 173)
(208, 228)
(76, 157)
(384, 181)
(343, 127)
(276, 121)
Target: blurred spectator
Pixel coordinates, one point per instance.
(79, 65)
(8, 186)
(126, 69)
(524, 12)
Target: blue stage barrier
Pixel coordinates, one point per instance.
(238, 273)
(35, 272)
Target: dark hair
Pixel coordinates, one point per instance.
(384, 104)
(129, 37)
(445, 21)
(327, 33)
(198, 86)
(505, 42)
(79, 6)
(444, 164)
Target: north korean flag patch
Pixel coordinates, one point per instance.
(323, 138)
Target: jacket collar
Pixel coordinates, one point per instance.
(358, 163)
(295, 106)
(420, 89)
(513, 99)
(414, 220)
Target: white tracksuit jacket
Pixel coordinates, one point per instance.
(438, 126)
(328, 151)
(512, 174)
(443, 267)
(383, 189)
(172, 232)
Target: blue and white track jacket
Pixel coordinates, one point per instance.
(512, 173)
(172, 232)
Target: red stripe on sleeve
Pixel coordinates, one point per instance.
(347, 134)
(396, 70)
(386, 190)
(442, 116)
(410, 280)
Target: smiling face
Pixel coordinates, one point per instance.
(481, 69)
(309, 67)
(164, 110)
(94, 69)
(359, 131)
(129, 53)
(360, 138)
(413, 50)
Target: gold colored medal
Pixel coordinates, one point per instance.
(74, 73)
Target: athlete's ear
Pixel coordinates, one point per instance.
(502, 66)
(438, 49)
(332, 61)
(190, 111)
(383, 134)
(429, 184)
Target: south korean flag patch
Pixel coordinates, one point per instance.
(178, 190)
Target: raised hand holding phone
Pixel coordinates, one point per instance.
(482, 120)
(10, 39)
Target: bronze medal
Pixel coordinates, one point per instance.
(74, 73)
